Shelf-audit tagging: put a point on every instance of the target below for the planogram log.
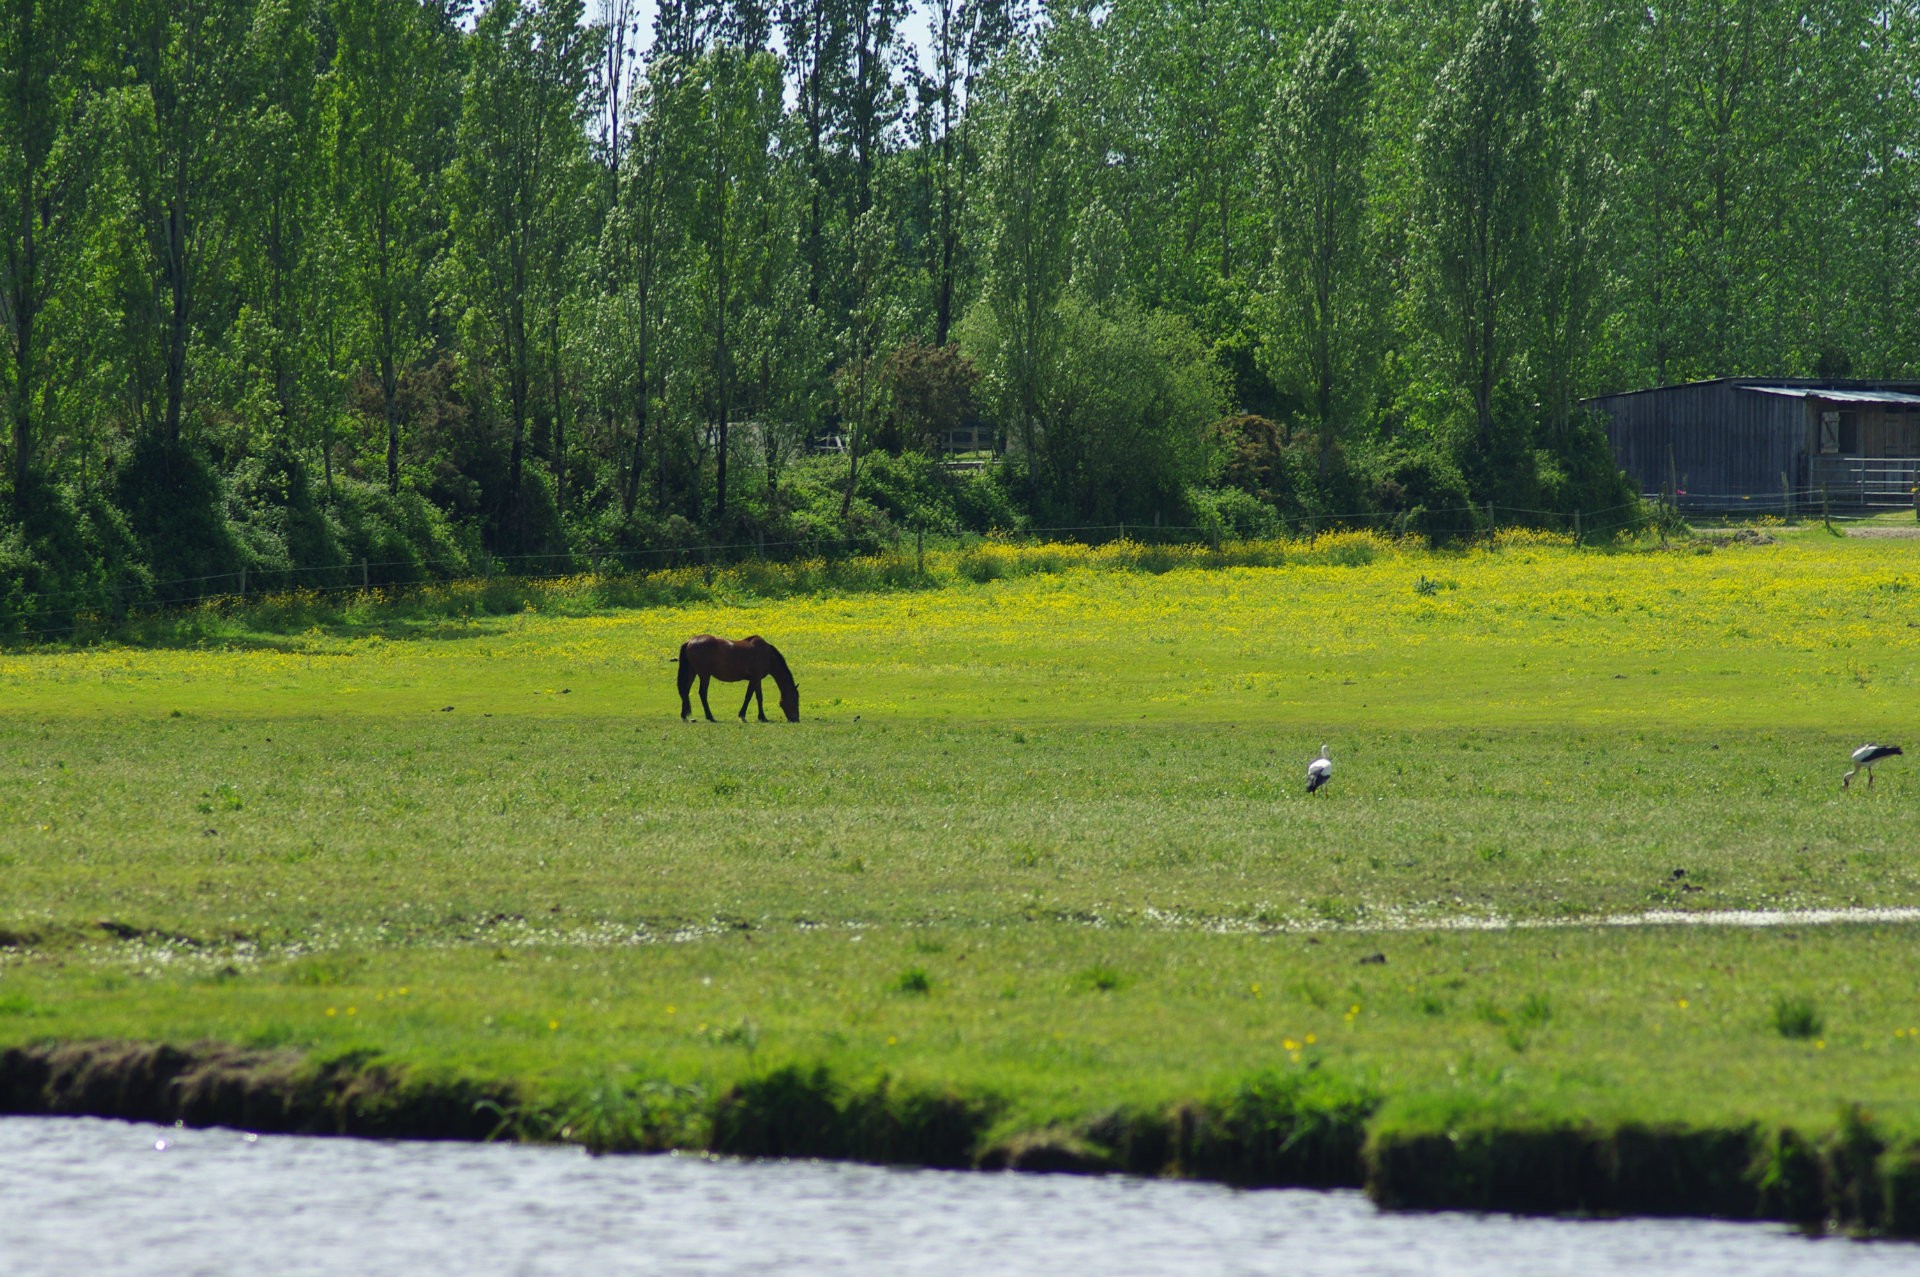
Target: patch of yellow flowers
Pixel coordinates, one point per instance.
(1004, 622)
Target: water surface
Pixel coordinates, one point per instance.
(106, 1199)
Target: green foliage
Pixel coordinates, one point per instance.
(1796, 1016)
(290, 539)
(400, 537)
(912, 490)
(1480, 149)
(1327, 299)
(1425, 492)
(176, 505)
(1119, 409)
(1230, 513)
(914, 980)
(437, 257)
(72, 554)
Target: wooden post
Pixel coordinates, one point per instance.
(1489, 523)
(243, 580)
(1826, 514)
(1786, 497)
(1576, 527)
(920, 551)
(1313, 529)
(363, 574)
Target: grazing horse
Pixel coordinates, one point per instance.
(728, 660)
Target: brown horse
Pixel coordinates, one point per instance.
(706, 657)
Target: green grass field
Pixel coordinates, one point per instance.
(1040, 836)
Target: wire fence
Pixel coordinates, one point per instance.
(1838, 502)
(52, 614)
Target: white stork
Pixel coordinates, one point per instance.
(1866, 756)
(1319, 771)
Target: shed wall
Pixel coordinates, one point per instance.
(1720, 442)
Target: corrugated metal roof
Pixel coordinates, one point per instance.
(1839, 396)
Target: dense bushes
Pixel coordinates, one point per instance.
(169, 525)
(170, 529)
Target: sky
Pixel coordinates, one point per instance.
(914, 29)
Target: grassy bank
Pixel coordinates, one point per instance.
(1032, 882)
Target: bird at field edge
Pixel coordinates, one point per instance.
(1865, 757)
(1319, 771)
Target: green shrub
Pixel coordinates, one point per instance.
(1426, 491)
(1231, 514)
(176, 505)
(401, 538)
(983, 502)
(71, 556)
(1796, 1017)
(290, 541)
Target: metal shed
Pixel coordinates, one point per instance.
(1727, 443)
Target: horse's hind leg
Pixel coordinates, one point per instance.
(704, 679)
(686, 685)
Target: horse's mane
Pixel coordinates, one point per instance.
(780, 670)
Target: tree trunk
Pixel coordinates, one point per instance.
(175, 267)
(389, 378)
(559, 413)
(517, 402)
(24, 305)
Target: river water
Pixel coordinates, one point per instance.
(80, 1196)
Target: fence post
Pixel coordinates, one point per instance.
(1826, 512)
(243, 580)
(919, 551)
(1313, 529)
(1489, 523)
(1576, 527)
(1786, 497)
(364, 578)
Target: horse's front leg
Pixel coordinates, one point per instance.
(753, 685)
(704, 679)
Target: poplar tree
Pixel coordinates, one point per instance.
(40, 53)
(1480, 149)
(1029, 247)
(1322, 265)
(381, 68)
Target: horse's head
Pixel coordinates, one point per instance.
(790, 702)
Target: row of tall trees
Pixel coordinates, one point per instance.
(290, 284)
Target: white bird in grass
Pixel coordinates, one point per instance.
(1866, 756)
(1319, 771)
